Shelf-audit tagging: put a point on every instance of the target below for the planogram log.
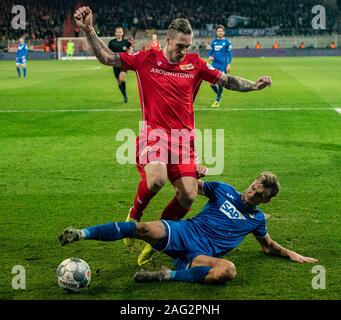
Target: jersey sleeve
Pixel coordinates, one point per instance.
(261, 231)
(207, 72)
(132, 61)
(210, 187)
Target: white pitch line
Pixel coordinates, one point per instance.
(139, 110)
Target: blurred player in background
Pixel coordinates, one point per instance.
(21, 59)
(168, 82)
(119, 44)
(70, 49)
(221, 57)
(155, 44)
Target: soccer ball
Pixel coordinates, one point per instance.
(73, 274)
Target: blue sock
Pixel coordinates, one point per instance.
(111, 231)
(24, 72)
(214, 88)
(219, 93)
(195, 274)
(18, 71)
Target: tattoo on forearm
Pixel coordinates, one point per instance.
(237, 83)
(102, 52)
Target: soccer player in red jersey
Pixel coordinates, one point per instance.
(168, 82)
(155, 44)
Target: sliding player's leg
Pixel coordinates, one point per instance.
(221, 270)
(204, 269)
(150, 232)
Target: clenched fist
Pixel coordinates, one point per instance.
(83, 17)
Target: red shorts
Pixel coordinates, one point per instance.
(178, 154)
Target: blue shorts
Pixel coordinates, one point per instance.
(21, 60)
(181, 243)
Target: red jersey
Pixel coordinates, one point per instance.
(167, 90)
(155, 45)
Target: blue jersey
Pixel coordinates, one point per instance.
(220, 227)
(22, 50)
(22, 54)
(221, 51)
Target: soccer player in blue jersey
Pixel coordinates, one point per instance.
(197, 244)
(221, 57)
(21, 59)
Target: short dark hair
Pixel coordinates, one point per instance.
(179, 25)
(269, 181)
(220, 26)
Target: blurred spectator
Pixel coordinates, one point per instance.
(3, 43)
(275, 45)
(258, 45)
(332, 45)
(46, 45)
(302, 45)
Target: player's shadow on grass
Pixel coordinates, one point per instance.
(309, 145)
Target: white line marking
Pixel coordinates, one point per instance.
(139, 110)
(338, 110)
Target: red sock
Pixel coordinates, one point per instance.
(174, 210)
(141, 201)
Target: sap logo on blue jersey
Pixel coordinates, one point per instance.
(230, 211)
(218, 47)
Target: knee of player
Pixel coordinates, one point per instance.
(225, 273)
(141, 229)
(157, 182)
(229, 272)
(186, 198)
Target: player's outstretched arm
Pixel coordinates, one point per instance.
(271, 247)
(83, 17)
(243, 85)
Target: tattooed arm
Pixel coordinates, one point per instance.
(244, 85)
(83, 17)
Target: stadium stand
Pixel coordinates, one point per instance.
(247, 21)
(48, 17)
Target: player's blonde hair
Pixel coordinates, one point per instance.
(179, 25)
(270, 182)
(219, 26)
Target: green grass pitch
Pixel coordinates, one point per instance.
(59, 169)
